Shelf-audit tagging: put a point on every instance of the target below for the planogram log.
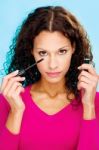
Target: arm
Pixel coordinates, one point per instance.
(9, 126)
(14, 120)
(11, 89)
(89, 132)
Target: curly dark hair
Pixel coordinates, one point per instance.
(48, 18)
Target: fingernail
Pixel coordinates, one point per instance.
(79, 67)
(16, 72)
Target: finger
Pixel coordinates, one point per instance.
(9, 92)
(11, 83)
(89, 84)
(7, 77)
(82, 85)
(85, 80)
(19, 90)
(88, 67)
(17, 97)
(86, 74)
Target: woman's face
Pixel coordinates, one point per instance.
(56, 50)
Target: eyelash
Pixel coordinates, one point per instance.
(40, 52)
(63, 50)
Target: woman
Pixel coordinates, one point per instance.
(54, 105)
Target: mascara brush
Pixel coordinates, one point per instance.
(21, 72)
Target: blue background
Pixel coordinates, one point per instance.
(12, 13)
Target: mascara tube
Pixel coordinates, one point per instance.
(21, 72)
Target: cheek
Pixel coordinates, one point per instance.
(66, 63)
(41, 67)
(63, 64)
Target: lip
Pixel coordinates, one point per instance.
(53, 74)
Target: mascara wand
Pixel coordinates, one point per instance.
(21, 72)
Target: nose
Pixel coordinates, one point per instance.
(53, 64)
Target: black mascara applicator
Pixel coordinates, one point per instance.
(21, 72)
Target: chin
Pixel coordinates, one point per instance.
(54, 80)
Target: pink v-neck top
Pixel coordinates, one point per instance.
(64, 130)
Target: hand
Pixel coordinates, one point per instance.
(11, 89)
(87, 83)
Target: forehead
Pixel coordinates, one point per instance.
(51, 40)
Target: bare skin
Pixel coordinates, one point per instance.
(57, 58)
(49, 93)
(11, 89)
(48, 103)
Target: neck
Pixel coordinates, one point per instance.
(52, 89)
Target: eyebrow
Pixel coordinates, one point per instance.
(58, 49)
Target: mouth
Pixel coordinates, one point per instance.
(53, 74)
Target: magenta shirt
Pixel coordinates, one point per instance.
(65, 130)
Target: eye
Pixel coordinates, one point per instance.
(62, 51)
(42, 53)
